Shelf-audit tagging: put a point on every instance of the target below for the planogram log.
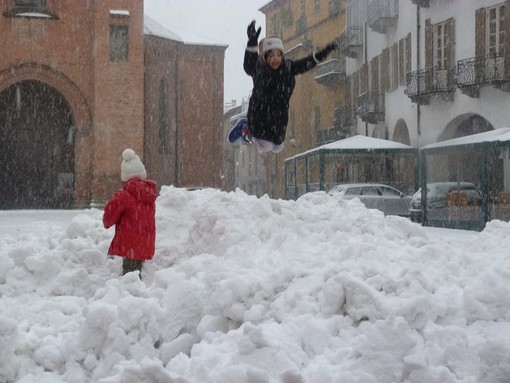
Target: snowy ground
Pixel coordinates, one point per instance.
(254, 290)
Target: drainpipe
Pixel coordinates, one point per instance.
(177, 118)
(418, 110)
(366, 62)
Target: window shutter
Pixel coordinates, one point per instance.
(408, 54)
(374, 74)
(364, 78)
(449, 53)
(507, 40)
(401, 68)
(385, 74)
(429, 46)
(480, 32)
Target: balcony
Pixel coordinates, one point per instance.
(345, 118)
(330, 72)
(382, 15)
(334, 7)
(299, 51)
(421, 3)
(371, 107)
(329, 135)
(472, 73)
(423, 84)
(351, 41)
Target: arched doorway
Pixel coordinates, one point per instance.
(465, 125)
(36, 147)
(401, 133)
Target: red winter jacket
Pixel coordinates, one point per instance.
(132, 210)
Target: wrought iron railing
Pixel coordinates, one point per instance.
(345, 116)
(371, 107)
(382, 14)
(334, 7)
(333, 67)
(421, 3)
(481, 70)
(428, 81)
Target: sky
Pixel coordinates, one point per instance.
(218, 23)
(254, 290)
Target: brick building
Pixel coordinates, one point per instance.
(80, 81)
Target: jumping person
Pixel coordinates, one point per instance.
(273, 83)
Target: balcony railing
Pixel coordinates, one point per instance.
(334, 7)
(382, 15)
(351, 41)
(371, 107)
(326, 136)
(345, 117)
(421, 3)
(330, 72)
(423, 84)
(478, 71)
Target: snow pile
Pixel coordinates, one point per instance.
(247, 290)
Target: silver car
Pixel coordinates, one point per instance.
(375, 196)
(437, 202)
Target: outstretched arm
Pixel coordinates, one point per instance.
(251, 55)
(309, 62)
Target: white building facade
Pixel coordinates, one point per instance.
(423, 71)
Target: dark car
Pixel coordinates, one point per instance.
(437, 201)
(375, 196)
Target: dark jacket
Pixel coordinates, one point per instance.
(132, 210)
(268, 110)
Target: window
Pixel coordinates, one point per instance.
(370, 190)
(353, 191)
(388, 192)
(30, 9)
(119, 46)
(440, 45)
(317, 118)
(317, 5)
(30, 3)
(496, 30)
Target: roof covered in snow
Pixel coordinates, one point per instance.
(359, 142)
(364, 142)
(152, 27)
(502, 134)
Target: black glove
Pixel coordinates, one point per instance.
(324, 52)
(253, 35)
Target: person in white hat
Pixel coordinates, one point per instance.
(132, 210)
(273, 84)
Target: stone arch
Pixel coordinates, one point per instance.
(465, 125)
(401, 132)
(81, 116)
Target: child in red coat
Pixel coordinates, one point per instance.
(132, 210)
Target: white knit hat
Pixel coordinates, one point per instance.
(272, 43)
(131, 166)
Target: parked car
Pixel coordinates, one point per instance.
(437, 198)
(375, 196)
